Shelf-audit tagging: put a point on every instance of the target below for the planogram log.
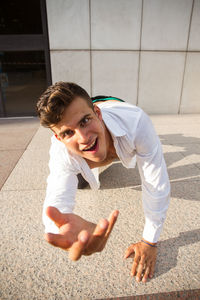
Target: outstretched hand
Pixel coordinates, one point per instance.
(77, 235)
(144, 260)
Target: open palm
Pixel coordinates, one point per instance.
(77, 235)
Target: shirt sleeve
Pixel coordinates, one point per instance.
(61, 187)
(154, 176)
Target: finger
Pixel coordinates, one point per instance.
(97, 239)
(56, 216)
(101, 228)
(146, 274)
(57, 240)
(139, 272)
(112, 219)
(78, 247)
(152, 269)
(140, 268)
(129, 251)
(135, 265)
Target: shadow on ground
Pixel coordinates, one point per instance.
(181, 177)
(184, 180)
(170, 248)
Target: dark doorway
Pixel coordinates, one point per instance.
(24, 56)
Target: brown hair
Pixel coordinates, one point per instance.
(53, 102)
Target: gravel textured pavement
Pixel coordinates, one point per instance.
(32, 269)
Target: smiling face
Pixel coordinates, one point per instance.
(83, 131)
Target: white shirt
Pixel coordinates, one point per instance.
(134, 136)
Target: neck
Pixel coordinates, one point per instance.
(107, 161)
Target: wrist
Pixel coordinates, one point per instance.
(148, 243)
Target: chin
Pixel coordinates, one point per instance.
(100, 159)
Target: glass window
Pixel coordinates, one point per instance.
(22, 80)
(20, 17)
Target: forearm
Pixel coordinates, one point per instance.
(61, 195)
(155, 210)
(154, 177)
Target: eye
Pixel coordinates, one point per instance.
(67, 133)
(84, 121)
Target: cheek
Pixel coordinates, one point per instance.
(98, 127)
(72, 145)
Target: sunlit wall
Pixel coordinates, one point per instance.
(144, 51)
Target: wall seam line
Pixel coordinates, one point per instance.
(128, 50)
(185, 62)
(139, 58)
(90, 32)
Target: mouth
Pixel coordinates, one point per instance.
(92, 147)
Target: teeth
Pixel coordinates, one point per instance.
(90, 146)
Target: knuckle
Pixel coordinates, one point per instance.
(137, 259)
(130, 248)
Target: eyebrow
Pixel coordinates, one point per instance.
(64, 131)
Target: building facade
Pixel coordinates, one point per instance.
(146, 52)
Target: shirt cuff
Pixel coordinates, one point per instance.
(152, 231)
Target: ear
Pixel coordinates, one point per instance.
(97, 112)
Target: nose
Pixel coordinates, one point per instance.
(82, 134)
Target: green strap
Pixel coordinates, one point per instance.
(107, 98)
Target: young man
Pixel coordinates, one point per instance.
(89, 134)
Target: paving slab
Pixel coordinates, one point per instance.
(41, 140)
(177, 129)
(183, 295)
(175, 120)
(40, 271)
(32, 269)
(8, 160)
(15, 133)
(30, 173)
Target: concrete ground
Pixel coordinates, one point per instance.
(15, 135)
(32, 269)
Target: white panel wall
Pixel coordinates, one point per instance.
(138, 50)
(166, 24)
(194, 42)
(115, 73)
(71, 66)
(115, 24)
(69, 24)
(191, 88)
(160, 81)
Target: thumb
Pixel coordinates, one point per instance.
(130, 251)
(56, 216)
